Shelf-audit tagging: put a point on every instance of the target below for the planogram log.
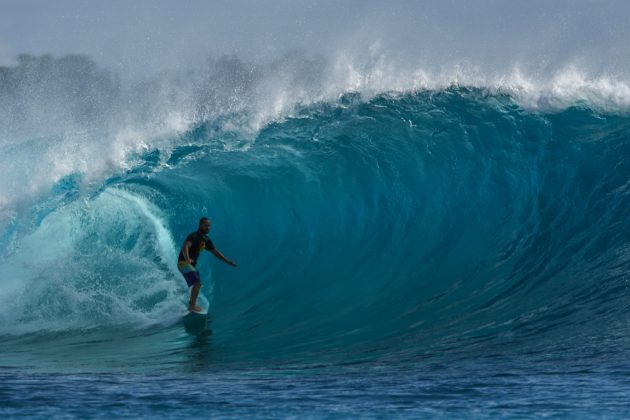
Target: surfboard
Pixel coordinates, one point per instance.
(195, 323)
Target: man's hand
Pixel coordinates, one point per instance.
(222, 257)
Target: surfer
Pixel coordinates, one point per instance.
(187, 261)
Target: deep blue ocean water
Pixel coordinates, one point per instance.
(440, 253)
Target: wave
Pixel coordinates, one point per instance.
(454, 217)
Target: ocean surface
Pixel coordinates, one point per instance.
(433, 252)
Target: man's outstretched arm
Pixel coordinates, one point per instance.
(220, 256)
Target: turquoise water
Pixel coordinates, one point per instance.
(441, 253)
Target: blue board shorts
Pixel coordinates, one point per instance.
(189, 272)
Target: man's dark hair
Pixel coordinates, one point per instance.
(203, 219)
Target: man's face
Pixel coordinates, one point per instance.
(205, 226)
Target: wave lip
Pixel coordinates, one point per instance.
(66, 118)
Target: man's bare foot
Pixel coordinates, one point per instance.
(195, 308)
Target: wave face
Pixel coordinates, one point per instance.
(404, 225)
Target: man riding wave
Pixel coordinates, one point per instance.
(187, 261)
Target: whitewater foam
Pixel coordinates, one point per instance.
(99, 262)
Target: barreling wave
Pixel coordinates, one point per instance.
(452, 218)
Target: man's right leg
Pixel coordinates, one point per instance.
(194, 294)
(191, 275)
